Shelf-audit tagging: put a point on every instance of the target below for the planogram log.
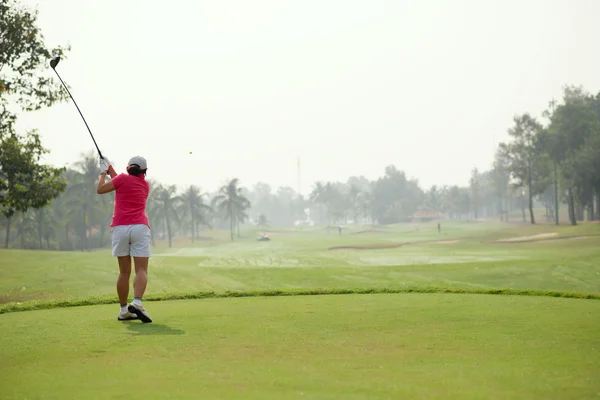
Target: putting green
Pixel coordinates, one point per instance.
(375, 346)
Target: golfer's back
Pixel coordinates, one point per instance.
(130, 200)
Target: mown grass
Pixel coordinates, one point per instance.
(301, 260)
(418, 346)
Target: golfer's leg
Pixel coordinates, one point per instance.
(141, 276)
(140, 251)
(120, 249)
(123, 279)
(139, 287)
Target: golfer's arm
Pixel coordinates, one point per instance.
(111, 172)
(103, 186)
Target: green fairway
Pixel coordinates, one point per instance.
(464, 255)
(376, 346)
(351, 346)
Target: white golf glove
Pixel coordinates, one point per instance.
(104, 164)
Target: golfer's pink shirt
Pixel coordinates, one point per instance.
(130, 200)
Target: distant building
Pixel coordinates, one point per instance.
(426, 214)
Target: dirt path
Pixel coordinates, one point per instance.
(566, 238)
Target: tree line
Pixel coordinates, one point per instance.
(79, 218)
(559, 161)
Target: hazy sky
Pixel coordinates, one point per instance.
(430, 86)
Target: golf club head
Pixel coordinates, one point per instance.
(54, 62)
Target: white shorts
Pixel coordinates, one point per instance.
(130, 240)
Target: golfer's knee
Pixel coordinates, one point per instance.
(125, 273)
(141, 272)
(141, 264)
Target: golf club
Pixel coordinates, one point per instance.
(53, 63)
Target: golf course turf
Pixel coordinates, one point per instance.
(350, 346)
(463, 319)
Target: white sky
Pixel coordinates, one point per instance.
(430, 86)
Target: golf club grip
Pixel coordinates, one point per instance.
(84, 121)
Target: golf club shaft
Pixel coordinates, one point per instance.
(84, 121)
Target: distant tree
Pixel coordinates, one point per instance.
(242, 211)
(24, 182)
(354, 193)
(232, 203)
(192, 206)
(319, 197)
(47, 225)
(500, 175)
(335, 200)
(528, 165)
(366, 199)
(433, 198)
(86, 208)
(262, 199)
(362, 183)
(263, 222)
(475, 190)
(394, 197)
(155, 210)
(166, 197)
(569, 140)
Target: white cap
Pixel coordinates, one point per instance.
(138, 160)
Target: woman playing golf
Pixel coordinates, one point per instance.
(130, 231)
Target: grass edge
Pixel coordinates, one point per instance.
(99, 300)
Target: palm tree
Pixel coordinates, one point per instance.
(232, 203)
(85, 208)
(61, 212)
(154, 209)
(193, 207)
(82, 207)
(203, 214)
(168, 201)
(318, 196)
(241, 215)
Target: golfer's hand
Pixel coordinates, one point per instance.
(104, 164)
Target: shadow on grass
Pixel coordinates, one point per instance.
(152, 329)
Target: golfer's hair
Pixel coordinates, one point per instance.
(135, 170)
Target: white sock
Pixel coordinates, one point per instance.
(137, 302)
(124, 309)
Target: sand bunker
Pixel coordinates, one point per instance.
(540, 236)
(369, 247)
(567, 238)
(390, 246)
